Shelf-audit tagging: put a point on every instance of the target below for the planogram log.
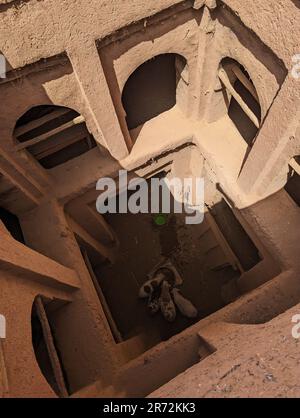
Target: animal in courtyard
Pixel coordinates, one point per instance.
(184, 305)
(153, 301)
(148, 288)
(166, 303)
(154, 283)
(169, 275)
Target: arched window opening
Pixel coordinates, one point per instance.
(155, 87)
(45, 345)
(53, 135)
(241, 99)
(293, 184)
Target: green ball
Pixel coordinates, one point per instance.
(160, 219)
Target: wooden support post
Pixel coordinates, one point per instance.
(43, 137)
(244, 80)
(225, 80)
(21, 130)
(54, 359)
(295, 166)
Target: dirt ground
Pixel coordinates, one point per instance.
(143, 244)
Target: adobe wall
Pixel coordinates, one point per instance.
(248, 363)
(88, 349)
(20, 285)
(80, 54)
(222, 32)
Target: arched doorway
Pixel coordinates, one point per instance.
(155, 87)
